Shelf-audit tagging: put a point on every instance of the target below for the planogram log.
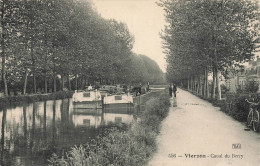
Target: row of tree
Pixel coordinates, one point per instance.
(45, 41)
(208, 36)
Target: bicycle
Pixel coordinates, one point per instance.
(253, 115)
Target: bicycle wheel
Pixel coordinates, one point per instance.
(249, 118)
(256, 121)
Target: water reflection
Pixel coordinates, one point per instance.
(87, 117)
(3, 134)
(32, 132)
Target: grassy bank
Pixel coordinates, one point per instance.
(13, 100)
(130, 147)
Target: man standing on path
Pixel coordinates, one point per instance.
(170, 90)
(174, 90)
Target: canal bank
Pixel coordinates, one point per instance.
(134, 146)
(11, 101)
(16, 100)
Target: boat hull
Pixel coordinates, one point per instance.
(86, 96)
(87, 104)
(119, 106)
(118, 99)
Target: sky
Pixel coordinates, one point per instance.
(145, 20)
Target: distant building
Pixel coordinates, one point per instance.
(237, 79)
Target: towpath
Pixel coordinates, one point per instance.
(195, 133)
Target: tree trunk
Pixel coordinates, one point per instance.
(188, 84)
(213, 90)
(45, 83)
(3, 48)
(81, 82)
(34, 83)
(54, 66)
(198, 85)
(218, 84)
(45, 62)
(33, 65)
(76, 82)
(62, 81)
(215, 64)
(200, 82)
(193, 84)
(33, 71)
(207, 82)
(69, 82)
(204, 83)
(54, 82)
(4, 74)
(25, 82)
(206, 86)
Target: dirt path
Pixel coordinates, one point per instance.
(196, 132)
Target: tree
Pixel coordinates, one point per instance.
(207, 36)
(45, 41)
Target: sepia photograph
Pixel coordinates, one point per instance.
(129, 82)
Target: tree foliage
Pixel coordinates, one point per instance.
(207, 36)
(53, 44)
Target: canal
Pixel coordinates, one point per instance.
(30, 133)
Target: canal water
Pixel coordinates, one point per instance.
(30, 133)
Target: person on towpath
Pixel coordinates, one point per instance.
(170, 90)
(174, 90)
